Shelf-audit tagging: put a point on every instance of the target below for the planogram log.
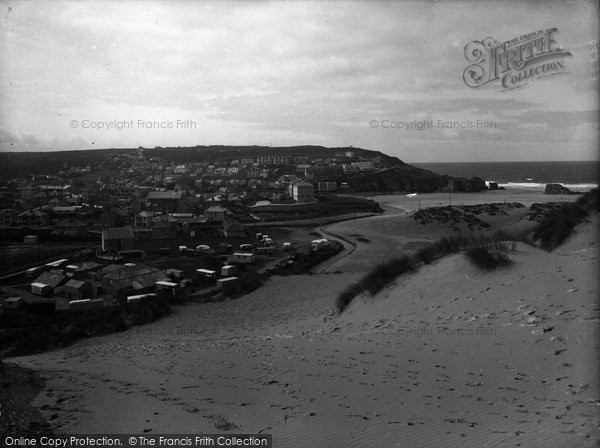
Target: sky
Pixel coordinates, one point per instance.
(89, 75)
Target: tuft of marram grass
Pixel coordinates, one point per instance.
(488, 258)
(558, 225)
(487, 252)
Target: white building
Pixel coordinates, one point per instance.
(303, 192)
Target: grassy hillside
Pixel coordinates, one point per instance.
(19, 163)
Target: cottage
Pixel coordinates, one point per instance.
(215, 213)
(47, 282)
(233, 229)
(40, 289)
(120, 281)
(144, 219)
(77, 290)
(13, 303)
(170, 288)
(166, 201)
(8, 217)
(118, 238)
(32, 218)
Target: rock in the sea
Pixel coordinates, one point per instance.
(472, 184)
(493, 185)
(557, 189)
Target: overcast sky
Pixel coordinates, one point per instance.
(291, 73)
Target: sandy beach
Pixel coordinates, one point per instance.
(449, 356)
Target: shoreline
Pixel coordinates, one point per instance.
(273, 358)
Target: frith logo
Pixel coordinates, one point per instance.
(515, 62)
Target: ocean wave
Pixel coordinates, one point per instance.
(542, 186)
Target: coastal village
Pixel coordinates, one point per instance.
(135, 227)
(161, 266)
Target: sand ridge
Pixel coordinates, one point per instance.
(448, 356)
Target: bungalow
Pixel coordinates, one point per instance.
(206, 274)
(77, 290)
(33, 272)
(316, 245)
(13, 303)
(47, 282)
(170, 288)
(227, 282)
(120, 281)
(228, 270)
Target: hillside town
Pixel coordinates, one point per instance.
(134, 226)
(147, 193)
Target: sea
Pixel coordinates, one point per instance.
(577, 176)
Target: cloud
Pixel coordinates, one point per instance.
(275, 73)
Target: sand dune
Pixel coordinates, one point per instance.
(449, 356)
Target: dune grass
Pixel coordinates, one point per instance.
(488, 258)
(560, 223)
(486, 252)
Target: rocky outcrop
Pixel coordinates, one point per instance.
(408, 178)
(403, 178)
(472, 184)
(557, 189)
